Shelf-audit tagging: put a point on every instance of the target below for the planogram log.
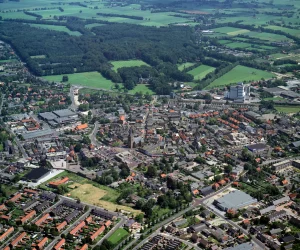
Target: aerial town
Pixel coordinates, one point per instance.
(197, 169)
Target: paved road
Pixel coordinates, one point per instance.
(92, 136)
(73, 106)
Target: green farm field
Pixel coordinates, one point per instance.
(293, 32)
(56, 28)
(117, 236)
(129, 63)
(90, 79)
(267, 36)
(240, 74)
(201, 71)
(186, 65)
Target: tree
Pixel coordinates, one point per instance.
(151, 171)
(65, 79)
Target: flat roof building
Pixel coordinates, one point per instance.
(64, 113)
(257, 147)
(48, 116)
(38, 134)
(234, 200)
(36, 174)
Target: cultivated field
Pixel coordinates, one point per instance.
(129, 63)
(240, 74)
(117, 236)
(201, 71)
(90, 79)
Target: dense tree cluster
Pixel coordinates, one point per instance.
(162, 48)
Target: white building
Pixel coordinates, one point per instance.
(238, 93)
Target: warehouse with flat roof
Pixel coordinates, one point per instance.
(234, 200)
(37, 174)
(38, 134)
(64, 113)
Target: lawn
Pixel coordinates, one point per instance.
(186, 65)
(240, 74)
(201, 71)
(117, 236)
(277, 98)
(56, 28)
(129, 63)
(90, 79)
(288, 109)
(141, 88)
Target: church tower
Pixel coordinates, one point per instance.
(130, 138)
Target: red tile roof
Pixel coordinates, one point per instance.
(42, 219)
(97, 233)
(42, 243)
(59, 244)
(8, 232)
(61, 226)
(77, 228)
(18, 239)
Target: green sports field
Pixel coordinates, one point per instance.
(117, 236)
(240, 74)
(288, 109)
(90, 79)
(201, 71)
(129, 63)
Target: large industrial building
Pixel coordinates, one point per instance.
(59, 117)
(234, 200)
(238, 93)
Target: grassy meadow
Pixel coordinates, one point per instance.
(129, 63)
(186, 65)
(90, 79)
(144, 88)
(56, 28)
(201, 71)
(240, 74)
